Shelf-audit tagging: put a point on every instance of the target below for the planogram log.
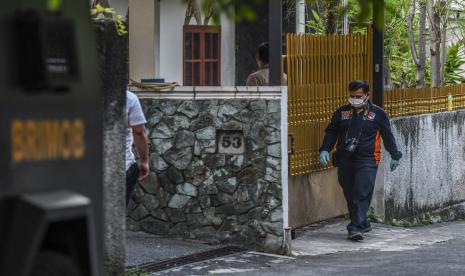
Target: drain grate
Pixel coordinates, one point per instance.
(188, 259)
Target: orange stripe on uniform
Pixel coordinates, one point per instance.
(378, 148)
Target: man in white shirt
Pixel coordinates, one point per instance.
(137, 135)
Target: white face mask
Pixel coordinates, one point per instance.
(357, 103)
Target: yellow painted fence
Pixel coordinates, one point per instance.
(415, 101)
(319, 69)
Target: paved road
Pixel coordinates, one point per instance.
(431, 250)
(143, 248)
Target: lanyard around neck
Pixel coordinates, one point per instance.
(365, 116)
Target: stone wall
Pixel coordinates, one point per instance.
(431, 177)
(194, 191)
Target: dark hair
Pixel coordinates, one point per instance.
(263, 52)
(359, 84)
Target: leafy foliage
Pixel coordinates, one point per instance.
(399, 223)
(120, 26)
(317, 24)
(54, 5)
(100, 11)
(424, 219)
(246, 9)
(372, 217)
(397, 49)
(455, 63)
(134, 272)
(238, 10)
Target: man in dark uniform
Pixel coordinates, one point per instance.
(357, 128)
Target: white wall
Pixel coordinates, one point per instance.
(228, 56)
(431, 174)
(120, 7)
(143, 42)
(172, 14)
(171, 21)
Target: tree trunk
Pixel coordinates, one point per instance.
(331, 18)
(419, 57)
(421, 68)
(411, 39)
(387, 74)
(444, 53)
(300, 7)
(444, 39)
(435, 44)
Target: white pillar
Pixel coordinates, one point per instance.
(143, 39)
(345, 27)
(300, 16)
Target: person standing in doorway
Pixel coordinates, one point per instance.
(357, 128)
(260, 77)
(136, 135)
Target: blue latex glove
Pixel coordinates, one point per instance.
(394, 164)
(324, 158)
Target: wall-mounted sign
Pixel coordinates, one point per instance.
(230, 141)
(45, 140)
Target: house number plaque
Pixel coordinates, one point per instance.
(230, 141)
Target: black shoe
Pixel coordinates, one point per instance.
(355, 235)
(367, 228)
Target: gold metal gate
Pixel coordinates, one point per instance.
(319, 70)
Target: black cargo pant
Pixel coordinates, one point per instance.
(357, 182)
(132, 174)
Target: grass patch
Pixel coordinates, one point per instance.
(424, 219)
(372, 217)
(399, 223)
(134, 272)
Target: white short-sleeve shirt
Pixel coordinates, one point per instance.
(134, 117)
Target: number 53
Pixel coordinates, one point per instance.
(235, 141)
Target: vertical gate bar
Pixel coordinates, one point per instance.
(305, 102)
(298, 104)
(318, 82)
(349, 59)
(340, 69)
(342, 66)
(353, 62)
(289, 96)
(313, 97)
(357, 58)
(332, 59)
(322, 91)
(301, 96)
(325, 90)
